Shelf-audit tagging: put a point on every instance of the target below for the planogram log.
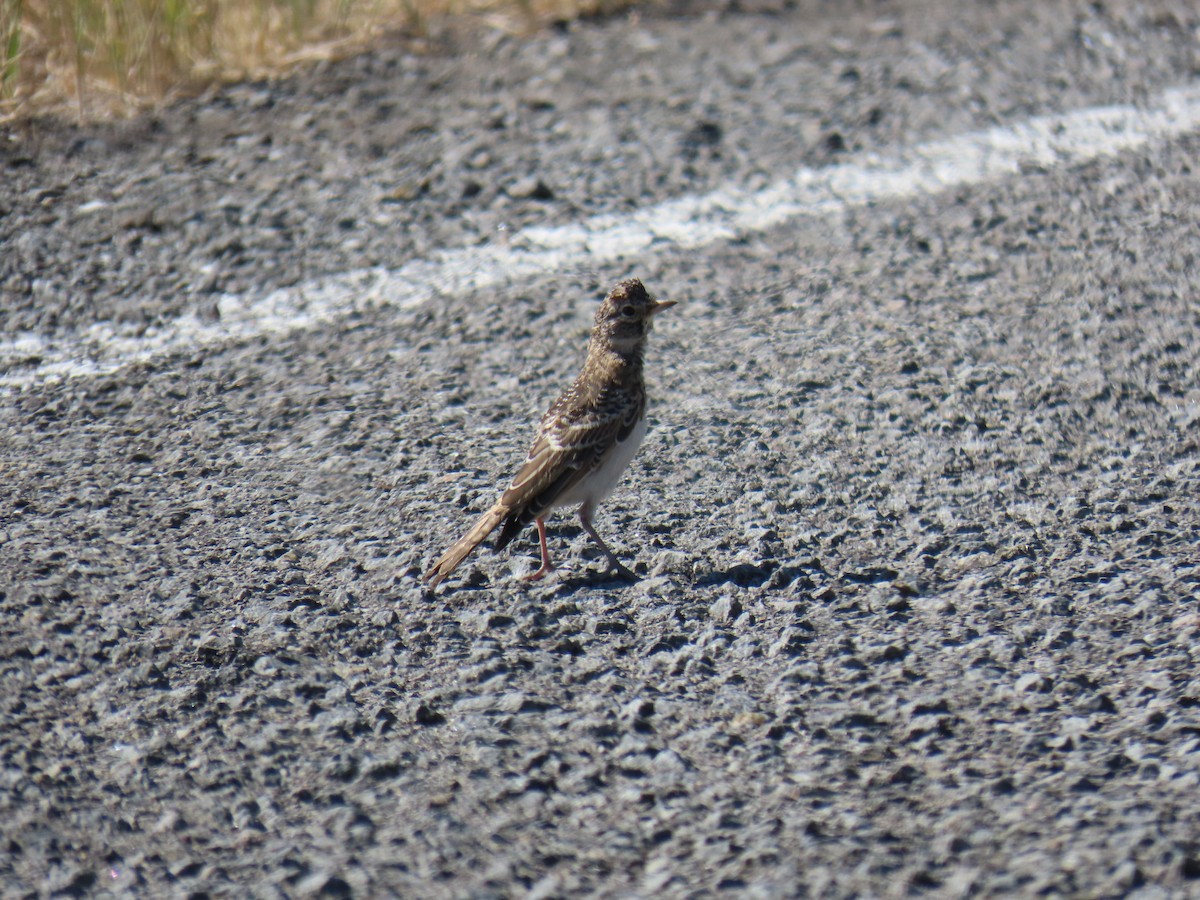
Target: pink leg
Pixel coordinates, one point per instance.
(585, 517)
(547, 566)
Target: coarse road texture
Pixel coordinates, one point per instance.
(918, 512)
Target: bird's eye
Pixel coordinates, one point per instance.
(628, 312)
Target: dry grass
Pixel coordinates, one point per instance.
(94, 58)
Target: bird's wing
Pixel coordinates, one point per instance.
(571, 443)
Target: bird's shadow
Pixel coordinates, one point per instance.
(770, 573)
(595, 578)
(578, 575)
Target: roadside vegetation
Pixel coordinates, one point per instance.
(96, 58)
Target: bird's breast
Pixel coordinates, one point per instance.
(603, 480)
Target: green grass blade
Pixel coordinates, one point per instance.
(10, 63)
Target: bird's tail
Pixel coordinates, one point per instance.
(462, 548)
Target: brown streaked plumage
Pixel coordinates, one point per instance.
(585, 440)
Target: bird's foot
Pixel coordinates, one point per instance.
(539, 574)
(618, 569)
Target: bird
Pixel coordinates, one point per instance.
(585, 440)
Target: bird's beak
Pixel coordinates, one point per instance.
(660, 305)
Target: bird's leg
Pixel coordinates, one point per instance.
(547, 566)
(585, 517)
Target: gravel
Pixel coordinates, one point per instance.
(916, 515)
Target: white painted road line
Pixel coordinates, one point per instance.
(686, 222)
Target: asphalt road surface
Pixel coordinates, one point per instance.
(917, 516)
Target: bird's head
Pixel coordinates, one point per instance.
(627, 314)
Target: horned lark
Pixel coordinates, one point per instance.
(585, 439)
